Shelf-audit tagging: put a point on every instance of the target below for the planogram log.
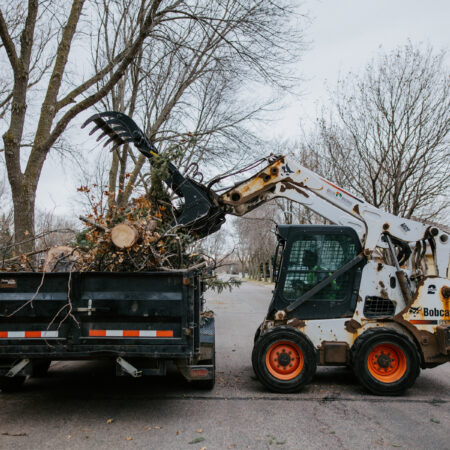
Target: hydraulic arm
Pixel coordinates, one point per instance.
(285, 178)
(203, 211)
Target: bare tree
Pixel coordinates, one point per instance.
(35, 64)
(198, 37)
(255, 241)
(5, 217)
(184, 86)
(388, 139)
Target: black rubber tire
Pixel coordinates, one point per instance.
(13, 384)
(284, 334)
(257, 335)
(40, 367)
(254, 358)
(360, 353)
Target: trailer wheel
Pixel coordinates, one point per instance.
(385, 361)
(8, 384)
(284, 360)
(40, 367)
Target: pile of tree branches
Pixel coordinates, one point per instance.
(138, 238)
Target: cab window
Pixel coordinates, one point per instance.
(314, 258)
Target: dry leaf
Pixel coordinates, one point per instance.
(197, 440)
(68, 437)
(157, 428)
(129, 438)
(203, 448)
(177, 433)
(110, 421)
(199, 430)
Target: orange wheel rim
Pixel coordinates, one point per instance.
(284, 360)
(387, 363)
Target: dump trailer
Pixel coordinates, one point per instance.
(142, 321)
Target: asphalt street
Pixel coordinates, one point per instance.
(82, 405)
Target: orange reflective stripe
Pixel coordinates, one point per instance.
(32, 334)
(130, 333)
(164, 333)
(3, 334)
(97, 333)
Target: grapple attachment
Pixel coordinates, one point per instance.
(200, 212)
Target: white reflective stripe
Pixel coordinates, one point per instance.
(29, 334)
(114, 333)
(147, 333)
(130, 333)
(49, 334)
(16, 334)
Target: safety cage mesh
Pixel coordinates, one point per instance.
(314, 258)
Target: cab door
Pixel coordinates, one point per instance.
(311, 254)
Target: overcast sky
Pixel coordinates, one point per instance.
(344, 36)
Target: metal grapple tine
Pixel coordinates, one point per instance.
(105, 133)
(101, 124)
(98, 126)
(91, 119)
(113, 132)
(117, 145)
(113, 139)
(121, 129)
(116, 128)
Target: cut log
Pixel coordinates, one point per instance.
(124, 235)
(60, 259)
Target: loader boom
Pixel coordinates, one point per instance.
(287, 179)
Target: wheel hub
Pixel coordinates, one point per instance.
(387, 362)
(384, 360)
(284, 360)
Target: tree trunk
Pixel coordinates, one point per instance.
(24, 199)
(271, 271)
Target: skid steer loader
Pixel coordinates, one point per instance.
(371, 291)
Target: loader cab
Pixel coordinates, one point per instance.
(306, 255)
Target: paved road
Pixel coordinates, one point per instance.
(72, 407)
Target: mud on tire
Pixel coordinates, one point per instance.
(384, 361)
(284, 360)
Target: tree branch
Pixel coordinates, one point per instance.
(9, 44)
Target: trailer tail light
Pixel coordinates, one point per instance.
(199, 372)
